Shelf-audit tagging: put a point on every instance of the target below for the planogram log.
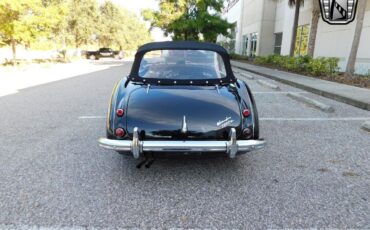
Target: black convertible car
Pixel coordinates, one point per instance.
(182, 97)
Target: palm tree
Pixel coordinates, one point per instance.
(297, 4)
(350, 70)
(314, 24)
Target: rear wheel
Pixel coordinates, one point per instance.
(256, 130)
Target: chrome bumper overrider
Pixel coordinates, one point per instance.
(137, 147)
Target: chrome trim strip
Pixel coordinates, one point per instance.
(137, 147)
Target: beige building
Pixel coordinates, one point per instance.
(265, 27)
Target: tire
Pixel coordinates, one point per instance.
(256, 130)
(92, 57)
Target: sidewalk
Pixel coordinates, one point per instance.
(352, 95)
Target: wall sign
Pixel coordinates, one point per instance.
(338, 12)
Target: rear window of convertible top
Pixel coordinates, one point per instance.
(182, 65)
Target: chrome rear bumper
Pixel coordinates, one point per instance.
(137, 147)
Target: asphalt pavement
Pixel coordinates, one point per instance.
(314, 172)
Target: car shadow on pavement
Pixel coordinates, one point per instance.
(191, 165)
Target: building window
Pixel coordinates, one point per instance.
(278, 41)
(254, 44)
(301, 42)
(245, 45)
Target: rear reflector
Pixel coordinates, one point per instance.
(246, 113)
(247, 132)
(120, 112)
(120, 132)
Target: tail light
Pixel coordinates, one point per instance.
(246, 113)
(120, 112)
(120, 132)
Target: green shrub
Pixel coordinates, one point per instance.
(278, 60)
(317, 67)
(332, 63)
(238, 56)
(261, 60)
(290, 63)
(302, 64)
(323, 66)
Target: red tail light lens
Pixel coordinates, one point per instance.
(120, 132)
(120, 112)
(246, 113)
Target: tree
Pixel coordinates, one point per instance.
(190, 19)
(119, 27)
(23, 21)
(212, 25)
(133, 32)
(82, 21)
(57, 12)
(297, 4)
(314, 25)
(110, 23)
(350, 70)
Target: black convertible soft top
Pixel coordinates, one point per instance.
(185, 45)
(181, 45)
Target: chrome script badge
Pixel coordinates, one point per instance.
(338, 12)
(225, 122)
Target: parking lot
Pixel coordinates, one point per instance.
(314, 172)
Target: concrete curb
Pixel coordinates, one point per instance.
(313, 103)
(366, 126)
(268, 84)
(335, 96)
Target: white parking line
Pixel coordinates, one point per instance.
(268, 84)
(315, 119)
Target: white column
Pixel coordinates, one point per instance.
(287, 29)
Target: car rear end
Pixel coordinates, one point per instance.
(181, 101)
